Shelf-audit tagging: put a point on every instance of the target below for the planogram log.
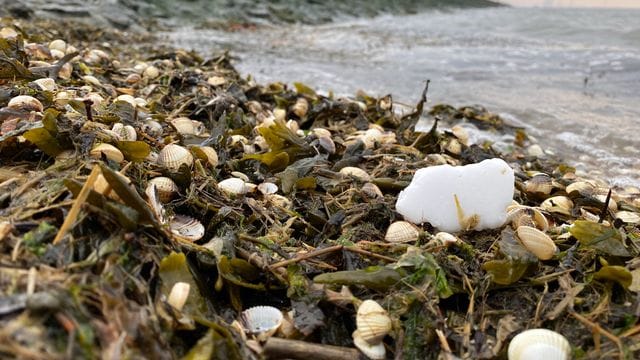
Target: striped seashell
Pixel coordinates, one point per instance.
(124, 132)
(537, 344)
(261, 320)
(402, 232)
(539, 183)
(373, 321)
(167, 188)
(172, 157)
(186, 228)
(374, 352)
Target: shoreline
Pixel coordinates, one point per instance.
(90, 253)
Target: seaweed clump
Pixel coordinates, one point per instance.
(146, 200)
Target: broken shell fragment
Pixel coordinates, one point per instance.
(261, 320)
(179, 295)
(356, 173)
(186, 228)
(174, 156)
(539, 344)
(25, 103)
(372, 321)
(401, 232)
(537, 242)
(46, 84)
(206, 153)
(374, 352)
(166, 188)
(111, 152)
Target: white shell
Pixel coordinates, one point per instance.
(401, 232)
(373, 321)
(151, 72)
(128, 99)
(152, 128)
(539, 243)
(375, 352)
(628, 217)
(558, 204)
(166, 188)
(124, 132)
(111, 152)
(25, 103)
(233, 186)
(46, 84)
(179, 295)
(209, 153)
(445, 238)
(186, 228)
(519, 215)
(58, 44)
(580, 187)
(538, 344)
(261, 320)
(268, 188)
(186, 126)
(356, 173)
(173, 156)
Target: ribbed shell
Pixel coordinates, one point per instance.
(206, 153)
(173, 156)
(536, 344)
(233, 186)
(540, 183)
(186, 228)
(25, 103)
(558, 204)
(539, 243)
(373, 321)
(376, 351)
(186, 126)
(261, 319)
(111, 152)
(179, 295)
(402, 232)
(372, 190)
(356, 173)
(124, 132)
(166, 188)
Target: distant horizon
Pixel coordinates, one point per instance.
(575, 3)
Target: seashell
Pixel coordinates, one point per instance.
(206, 153)
(8, 33)
(539, 243)
(57, 54)
(279, 201)
(154, 203)
(539, 344)
(401, 232)
(46, 84)
(240, 175)
(58, 44)
(375, 352)
(62, 98)
(216, 81)
(174, 156)
(373, 321)
(539, 183)
(261, 320)
(165, 187)
(293, 126)
(140, 67)
(613, 205)
(111, 152)
(453, 146)
(152, 128)
(151, 72)
(356, 173)
(268, 188)
(184, 126)
(535, 150)
(321, 132)
(523, 215)
(445, 238)
(140, 102)
(25, 103)
(65, 71)
(124, 132)
(461, 133)
(179, 295)
(233, 186)
(628, 217)
(372, 190)
(91, 80)
(95, 98)
(279, 114)
(186, 228)
(558, 204)
(327, 144)
(301, 107)
(237, 139)
(133, 78)
(128, 99)
(95, 57)
(582, 188)
(261, 142)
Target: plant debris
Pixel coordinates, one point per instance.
(267, 195)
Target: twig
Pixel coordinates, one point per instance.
(603, 213)
(306, 256)
(597, 330)
(75, 209)
(277, 348)
(356, 249)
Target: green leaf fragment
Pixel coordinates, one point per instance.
(374, 277)
(43, 139)
(174, 269)
(619, 274)
(134, 150)
(603, 238)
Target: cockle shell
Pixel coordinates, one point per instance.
(539, 243)
(166, 188)
(539, 183)
(128, 99)
(173, 156)
(186, 126)
(233, 186)
(206, 153)
(373, 321)
(558, 204)
(402, 232)
(25, 103)
(261, 320)
(151, 72)
(538, 344)
(111, 152)
(124, 132)
(186, 228)
(58, 44)
(356, 173)
(376, 351)
(179, 295)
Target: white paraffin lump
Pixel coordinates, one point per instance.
(471, 197)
